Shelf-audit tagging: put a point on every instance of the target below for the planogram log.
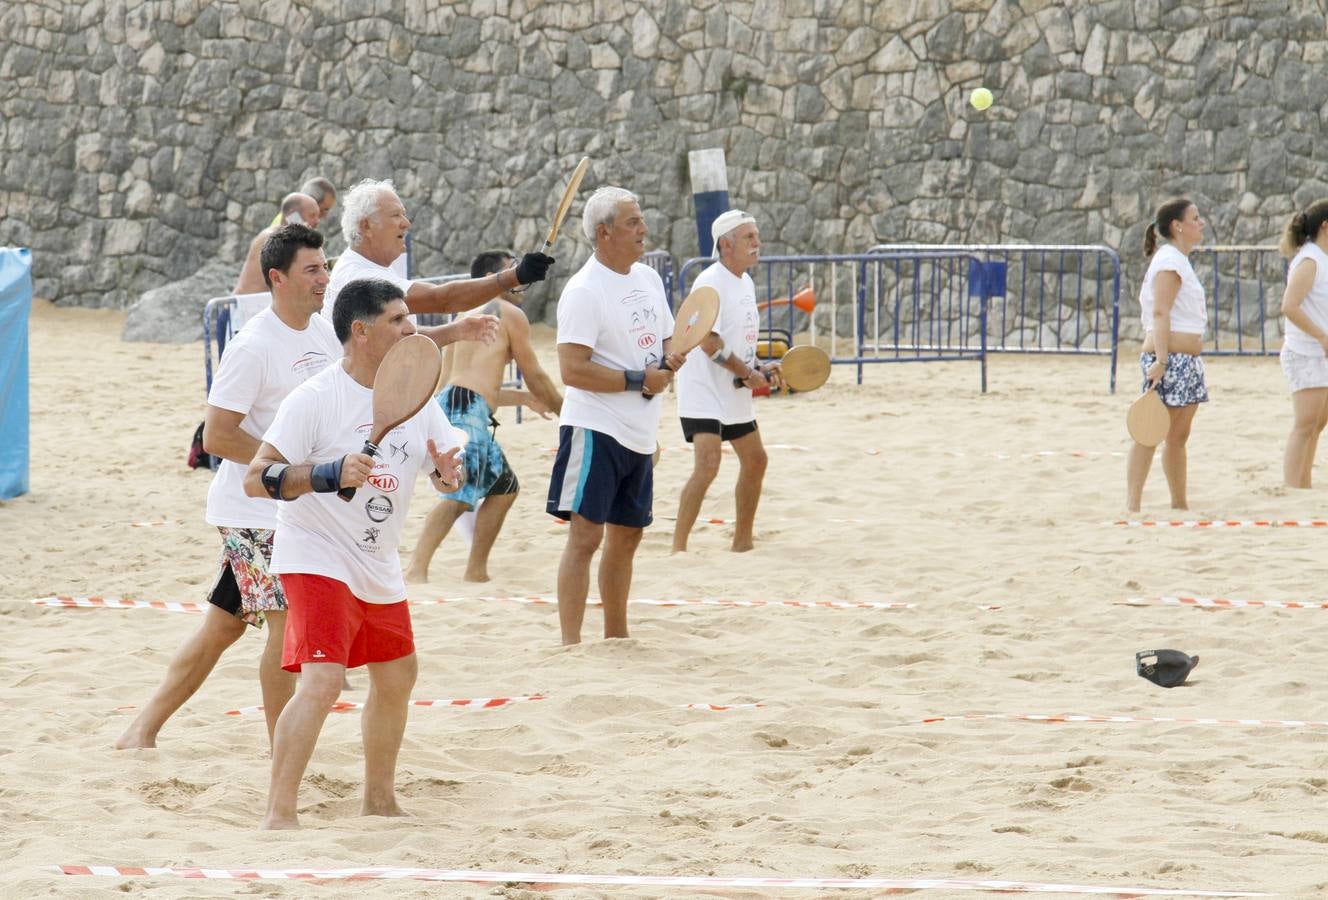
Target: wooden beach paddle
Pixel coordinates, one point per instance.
(804, 368)
(406, 379)
(1148, 419)
(569, 194)
(694, 320)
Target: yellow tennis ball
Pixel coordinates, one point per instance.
(980, 98)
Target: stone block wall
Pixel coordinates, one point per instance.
(143, 138)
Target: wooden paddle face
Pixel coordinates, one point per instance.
(405, 381)
(695, 319)
(805, 368)
(1148, 420)
(566, 203)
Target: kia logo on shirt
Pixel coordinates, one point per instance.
(645, 340)
(386, 483)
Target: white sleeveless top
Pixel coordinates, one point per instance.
(1315, 304)
(1189, 314)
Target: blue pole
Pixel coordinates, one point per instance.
(710, 192)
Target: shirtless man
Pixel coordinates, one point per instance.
(474, 376)
(296, 209)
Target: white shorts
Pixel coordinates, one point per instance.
(1304, 372)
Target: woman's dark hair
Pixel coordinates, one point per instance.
(1168, 214)
(1302, 227)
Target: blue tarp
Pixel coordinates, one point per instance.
(15, 304)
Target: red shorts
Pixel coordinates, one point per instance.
(325, 622)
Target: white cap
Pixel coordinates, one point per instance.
(726, 222)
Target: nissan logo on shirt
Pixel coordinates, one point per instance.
(379, 508)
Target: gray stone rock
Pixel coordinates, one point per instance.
(172, 313)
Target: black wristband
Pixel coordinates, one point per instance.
(325, 478)
(273, 477)
(636, 379)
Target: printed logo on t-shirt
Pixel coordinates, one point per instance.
(395, 450)
(379, 508)
(319, 654)
(387, 483)
(634, 297)
(646, 340)
(369, 543)
(310, 364)
(371, 535)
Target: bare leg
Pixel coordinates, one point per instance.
(1136, 473)
(436, 526)
(615, 576)
(488, 522)
(278, 685)
(381, 728)
(707, 452)
(187, 671)
(583, 538)
(1310, 407)
(1173, 453)
(752, 461)
(296, 734)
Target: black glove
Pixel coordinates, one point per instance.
(533, 267)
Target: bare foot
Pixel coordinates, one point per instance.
(415, 576)
(273, 822)
(133, 739)
(387, 808)
(475, 576)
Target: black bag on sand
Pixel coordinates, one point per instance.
(1165, 668)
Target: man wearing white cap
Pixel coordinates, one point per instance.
(712, 408)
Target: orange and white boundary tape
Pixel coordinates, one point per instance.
(494, 703)
(1220, 603)
(476, 876)
(476, 703)
(1223, 523)
(1101, 720)
(186, 606)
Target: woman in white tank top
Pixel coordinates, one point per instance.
(1305, 305)
(1174, 317)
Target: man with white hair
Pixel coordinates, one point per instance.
(614, 328)
(713, 409)
(374, 223)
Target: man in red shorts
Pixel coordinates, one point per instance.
(338, 561)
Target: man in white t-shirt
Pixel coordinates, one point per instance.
(712, 407)
(338, 561)
(374, 222)
(276, 351)
(614, 328)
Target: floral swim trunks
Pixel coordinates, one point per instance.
(1183, 382)
(244, 587)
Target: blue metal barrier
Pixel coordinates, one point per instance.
(1053, 298)
(1236, 283)
(662, 262)
(937, 310)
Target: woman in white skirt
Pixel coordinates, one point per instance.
(1175, 316)
(1305, 305)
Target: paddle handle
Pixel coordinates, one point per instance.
(369, 449)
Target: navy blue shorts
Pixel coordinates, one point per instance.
(599, 479)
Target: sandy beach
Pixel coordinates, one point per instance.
(992, 515)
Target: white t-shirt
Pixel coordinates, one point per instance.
(351, 266)
(1189, 314)
(355, 543)
(263, 363)
(1315, 304)
(705, 388)
(624, 319)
